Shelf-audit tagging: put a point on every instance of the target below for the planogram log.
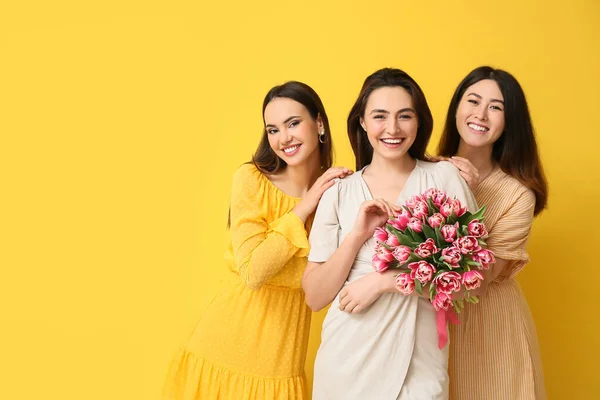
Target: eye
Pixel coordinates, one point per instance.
(379, 116)
(496, 108)
(473, 101)
(294, 123)
(405, 117)
(272, 131)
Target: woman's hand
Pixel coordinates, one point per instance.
(467, 171)
(361, 293)
(310, 201)
(371, 215)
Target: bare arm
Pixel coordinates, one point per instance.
(323, 280)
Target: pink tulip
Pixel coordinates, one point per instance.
(452, 256)
(415, 224)
(472, 279)
(447, 282)
(380, 235)
(477, 229)
(405, 284)
(402, 253)
(467, 244)
(449, 232)
(484, 257)
(436, 220)
(426, 249)
(422, 271)
(379, 265)
(442, 301)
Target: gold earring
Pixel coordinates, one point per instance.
(322, 138)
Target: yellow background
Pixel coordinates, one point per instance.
(122, 122)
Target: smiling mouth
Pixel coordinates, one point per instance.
(292, 149)
(477, 128)
(392, 143)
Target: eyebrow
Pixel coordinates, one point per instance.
(479, 97)
(382, 111)
(284, 122)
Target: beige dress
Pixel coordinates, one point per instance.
(389, 351)
(494, 351)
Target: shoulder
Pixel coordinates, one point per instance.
(248, 174)
(512, 190)
(349, 181)
(443, 173)
(446, 169)
(247, 171)
(440, 168)
(342, 189)
(248, 181)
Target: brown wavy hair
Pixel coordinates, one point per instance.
(516, 151)
(388, 77)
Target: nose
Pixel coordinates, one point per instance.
(393, 125)
(481, 112)
(285, 137)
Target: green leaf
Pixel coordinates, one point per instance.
(432, 208)
(413, 258)
(418, 286)
(464, 230)
(405, 240)
(415, 235)
(473, 263)
(478, 216)
(451, 219)
(385, 245)
(440, 238)
(429, 233)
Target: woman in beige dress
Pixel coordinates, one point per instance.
(494, 351)
(377, 343)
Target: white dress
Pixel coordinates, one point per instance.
(390, 350)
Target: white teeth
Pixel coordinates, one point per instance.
(290, 149)
(392, 141)
(478, 128)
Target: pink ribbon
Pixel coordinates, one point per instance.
(442, 318)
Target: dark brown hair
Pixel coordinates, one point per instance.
(516, 150)
(264, 157)
(388, 77)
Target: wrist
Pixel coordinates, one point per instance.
(300, 212)
(388, 282)
(356, 238)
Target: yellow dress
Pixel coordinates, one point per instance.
(251, 341)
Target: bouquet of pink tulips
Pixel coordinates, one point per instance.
(438, 247)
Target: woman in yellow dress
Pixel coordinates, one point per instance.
(494, 352)
(251, 341)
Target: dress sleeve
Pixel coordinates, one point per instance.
(324, 235)
(261, 249)
(508, 238)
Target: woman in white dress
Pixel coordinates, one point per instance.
(377, 343)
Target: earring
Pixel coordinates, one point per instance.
(322, 137)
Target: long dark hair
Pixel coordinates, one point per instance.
(264, 157)
(388, 77)
(516, 150)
